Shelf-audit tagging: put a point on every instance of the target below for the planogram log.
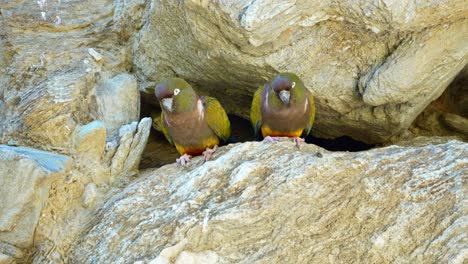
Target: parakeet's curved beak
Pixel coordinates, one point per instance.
(284, 96)
(167, 104)
(164, 94)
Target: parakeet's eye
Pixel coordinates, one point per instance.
(293, 84)
(176, 91)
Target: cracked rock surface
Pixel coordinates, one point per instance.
(72, 78)
(25, 178)
(373, 66)
(272, 203)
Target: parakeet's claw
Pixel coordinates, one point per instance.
(183, 160)
(270, 139)
(208, 153)
(298, 141)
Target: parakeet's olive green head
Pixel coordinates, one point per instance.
(176, 96)
(287, 89)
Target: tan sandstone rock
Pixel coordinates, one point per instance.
(70, 72)
(47, 75)
(25, 178)
(272, 203)
(5, 259)
(90, 139)
(117, 102)
(373, 66)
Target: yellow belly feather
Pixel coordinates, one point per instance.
(197, 150)
(266, 131)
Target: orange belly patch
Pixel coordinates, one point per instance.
(266, 131)
(197, 150)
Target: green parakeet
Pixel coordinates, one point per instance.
(194, 124)
(283, 107)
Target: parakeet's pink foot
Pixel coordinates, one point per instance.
(298, 141)
(183, 160)
(208, 153)
(271, 139)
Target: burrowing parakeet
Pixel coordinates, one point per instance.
(194, 124)
(283, 107)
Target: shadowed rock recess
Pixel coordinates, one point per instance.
(273, 203)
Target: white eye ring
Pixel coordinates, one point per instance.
(176, 91)
(293, 84)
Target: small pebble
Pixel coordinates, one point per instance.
(96, 55)
(89, 195)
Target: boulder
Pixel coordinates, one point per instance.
(53, 57)
(90, 139)
(274, 203)
(372, 66)
(133, 138)
(102, 161)
(117, 102)
(74, 201)
(25, 178)
(457, 123)
(65, 87)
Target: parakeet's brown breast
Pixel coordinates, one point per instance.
(190, 132)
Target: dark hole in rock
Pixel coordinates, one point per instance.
(344, 143)
(241, 130)
(447, 116)
(158, 151)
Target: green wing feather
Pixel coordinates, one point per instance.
(164, 130)
(256, 112)
(312, 113)
(217, 118)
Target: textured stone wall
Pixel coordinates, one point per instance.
(272, 203)
(73, 75)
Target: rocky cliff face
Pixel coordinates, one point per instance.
(76, 80)
(373, 67)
